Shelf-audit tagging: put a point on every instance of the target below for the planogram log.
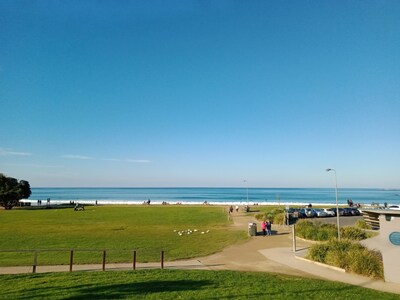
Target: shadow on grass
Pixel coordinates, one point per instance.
(118, 291)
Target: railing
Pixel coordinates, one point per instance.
(73, 251)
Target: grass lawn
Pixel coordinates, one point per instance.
(146, 229)
(177, 284)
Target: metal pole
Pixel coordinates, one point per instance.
(337, 208)
(294, 237)
(337, 203)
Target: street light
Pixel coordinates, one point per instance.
(337, 205)
(247, 191)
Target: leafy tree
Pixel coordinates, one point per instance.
(11, 191)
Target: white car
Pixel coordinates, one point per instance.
(330, 212)
(320, 213)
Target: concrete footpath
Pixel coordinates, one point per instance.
(262, 254)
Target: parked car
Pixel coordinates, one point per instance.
(331, 212)
(320, 213)
(310, 213)
(348, 211)
(341, 211)
(354, 211)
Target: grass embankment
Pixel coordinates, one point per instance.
(177, 284)
(146, 229)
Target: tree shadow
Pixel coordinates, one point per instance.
(119, 291)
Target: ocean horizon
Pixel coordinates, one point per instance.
(188, 195)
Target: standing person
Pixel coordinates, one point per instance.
(264, 227)
(237, 208)
(269, 227)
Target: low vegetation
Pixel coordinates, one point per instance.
(275, 214)
(325, 232)
(348, 255)
(177, 284)
(181, 231)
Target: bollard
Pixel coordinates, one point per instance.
(34, 262)
(134, 260)
(162, 259)
(104, 260)
(294, 237)
(71, 260)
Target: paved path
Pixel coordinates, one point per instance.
(264, 254)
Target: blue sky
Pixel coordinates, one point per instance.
(200, 93)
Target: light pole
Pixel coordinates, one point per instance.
(337, 205)
(247, 191)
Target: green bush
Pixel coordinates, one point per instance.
(362, 224)
(316, 232)
(271, 214)
(318, 252)
(366, 262)
(279, 219)
(349, 255)
(352, 233)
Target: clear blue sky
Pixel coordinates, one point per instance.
(200, 93)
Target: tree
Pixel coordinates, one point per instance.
(11, 191)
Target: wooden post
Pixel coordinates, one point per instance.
(34, 261)
(162, 259)
(104, 260)
(134, 260)
(71, 260)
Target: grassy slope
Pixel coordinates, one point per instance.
(177, 284)
(147, 229)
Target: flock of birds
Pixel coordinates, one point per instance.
(189, 231)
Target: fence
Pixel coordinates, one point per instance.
(73, 251)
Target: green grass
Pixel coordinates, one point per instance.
(146, 229)
(177, 284)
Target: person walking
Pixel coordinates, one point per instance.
(269, 227)
(264, 227)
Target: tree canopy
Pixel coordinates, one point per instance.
(12, 190)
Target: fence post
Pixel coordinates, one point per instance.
(104, 260)
(134, 260)
(34, 261)
(71, 260)
(162, 259)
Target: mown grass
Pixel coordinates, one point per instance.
(177, 284)
(146, 229)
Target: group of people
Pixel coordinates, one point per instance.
(266, 227)
(231, 209)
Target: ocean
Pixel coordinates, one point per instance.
(251, 196)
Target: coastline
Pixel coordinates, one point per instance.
(166, 203)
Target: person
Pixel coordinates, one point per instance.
(237, 208)
(230, 209)
(264, 227)
(269, 227)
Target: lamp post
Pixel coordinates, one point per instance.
(247, 191)
(337, 205)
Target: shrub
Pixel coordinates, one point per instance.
(352, 233)
(366, 262)
(351, 256)
(279, 219)
(318, 252)
(362, 224)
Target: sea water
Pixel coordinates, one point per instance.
(251, 196)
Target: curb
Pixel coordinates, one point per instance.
(321, 264)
